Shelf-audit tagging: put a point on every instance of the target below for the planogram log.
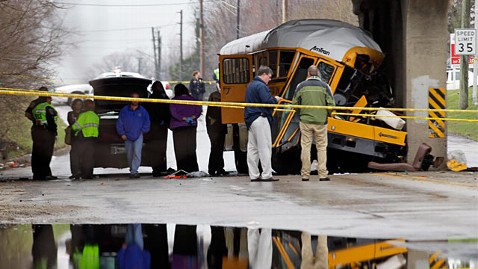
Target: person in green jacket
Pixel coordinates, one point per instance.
(313, 121)
(86, 132)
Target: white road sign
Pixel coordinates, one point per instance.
(465, 41)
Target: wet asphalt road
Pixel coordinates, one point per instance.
(414, 206)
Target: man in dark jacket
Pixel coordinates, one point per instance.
(44, 131)
(159, 115)
(258, 121)
(216, 131)
(197, 87)
(133, 122)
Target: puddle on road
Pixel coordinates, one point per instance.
(201, 246)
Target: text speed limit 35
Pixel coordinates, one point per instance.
(465, 41)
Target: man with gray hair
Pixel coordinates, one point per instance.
(313, 121)
(259, 121)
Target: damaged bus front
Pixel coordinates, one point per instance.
(348, 60)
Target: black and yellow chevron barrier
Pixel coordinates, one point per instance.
(436, 124)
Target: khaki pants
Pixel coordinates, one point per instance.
(319, 260)
(308, 133)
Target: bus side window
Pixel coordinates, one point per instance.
(299, 76)
(260, 59)
(236, 71)
(326, 71)
(285, 62)
(273, 62)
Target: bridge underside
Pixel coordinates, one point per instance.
(413, 34)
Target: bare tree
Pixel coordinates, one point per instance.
(221, 19)
(31, 38)
(135, 61)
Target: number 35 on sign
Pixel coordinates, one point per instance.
(465, 41)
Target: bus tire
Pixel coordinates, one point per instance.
(240, 157)
(286, 163)
(241, 161)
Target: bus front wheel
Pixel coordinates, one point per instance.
(240, 157)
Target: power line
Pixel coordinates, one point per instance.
(126, 29)
(127, 5)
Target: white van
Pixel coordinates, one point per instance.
(453, 79)
(76, 89)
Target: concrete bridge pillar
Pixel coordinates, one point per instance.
(413, 34)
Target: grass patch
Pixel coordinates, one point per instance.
(462, 128)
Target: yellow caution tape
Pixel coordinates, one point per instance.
(187, 82)
(280, 107)
(404, 117)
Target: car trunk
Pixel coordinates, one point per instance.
(109, 150)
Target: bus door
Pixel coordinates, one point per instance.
(298, 74)
(235, 74)
(287, 119)
(286, 123)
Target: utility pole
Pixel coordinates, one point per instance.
(465, 23)
(181, 46)
(157, 53)
(284, 10)
(238, 12)
(139, 65)
(475, 60)
(201, 34)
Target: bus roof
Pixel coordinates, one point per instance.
(328, 37)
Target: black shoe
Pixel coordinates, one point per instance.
(271, 179)
(255, 179)
(71, 177)
(50, 177)
(212, 173)
(134, 175)
(222, 173)
(324, 179)
(305, 179)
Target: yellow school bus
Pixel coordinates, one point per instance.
(348, 60)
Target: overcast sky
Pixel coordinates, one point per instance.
(108, 26)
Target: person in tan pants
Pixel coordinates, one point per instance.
(313, 122)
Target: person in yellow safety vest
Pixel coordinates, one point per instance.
(215, 75)
(86, 132)
(44, 132)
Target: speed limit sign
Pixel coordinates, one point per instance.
(465, 41)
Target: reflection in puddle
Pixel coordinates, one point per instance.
(201, 246)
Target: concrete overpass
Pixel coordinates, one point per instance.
(413, 35)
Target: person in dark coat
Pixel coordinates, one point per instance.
(72, 116)
(184, 121)
(197, 87)
(159, 115)
(44, 132)
(217, 135)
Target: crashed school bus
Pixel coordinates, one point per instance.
(109, 148)
(348, 60)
